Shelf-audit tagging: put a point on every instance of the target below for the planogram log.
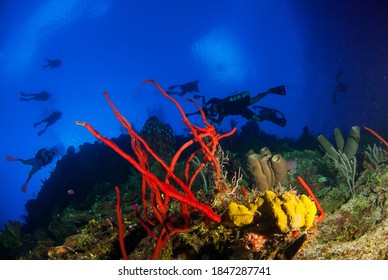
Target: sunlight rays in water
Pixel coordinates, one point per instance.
(222, 56)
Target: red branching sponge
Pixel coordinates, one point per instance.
(156, 193)
(120, 224)
(322, 214)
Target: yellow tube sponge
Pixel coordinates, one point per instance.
(240, 215)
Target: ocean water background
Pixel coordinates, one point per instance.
(229, 46)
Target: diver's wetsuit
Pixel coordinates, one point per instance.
(42, 158)
(340, 87)
(185, 88)
(230, 106)
(50, 120)
(52, 63)
(238, 105)
(41, 96)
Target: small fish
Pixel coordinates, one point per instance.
(60, 250)
(322, 179)
(70, 192)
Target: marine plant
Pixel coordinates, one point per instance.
(378, 136)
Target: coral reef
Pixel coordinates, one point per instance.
(10, 236)
(80, 171)
(159, 136)
(358, 229)
(183, 197)
(355, 228)
(164, 191)
(97, 240)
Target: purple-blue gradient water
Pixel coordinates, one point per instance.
(229, 46)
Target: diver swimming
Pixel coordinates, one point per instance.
(217, 109)
(339, 87)
(185, 88)
(50, 120)
(40, 96)
(42, 158)
(52, 63)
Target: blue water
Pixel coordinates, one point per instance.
(229, 46)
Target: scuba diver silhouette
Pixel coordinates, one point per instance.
(42, 158)
(339, 87)
(50, 120)
(40, 96)
(238, 104)
(185, 88)
(52, 63)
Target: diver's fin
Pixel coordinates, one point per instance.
(11, 158)
(41, 132)
(280, 90)
(48, 63)
(279, 121)
(24, 187)
(194, 113)
(172, 87)
(171, 92)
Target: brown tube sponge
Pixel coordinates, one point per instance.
(351, 145)
(265, 167)
(280, 168)
(265, 152)
(261, 181)
(339, 139)
(250, 152)
(327, 146)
